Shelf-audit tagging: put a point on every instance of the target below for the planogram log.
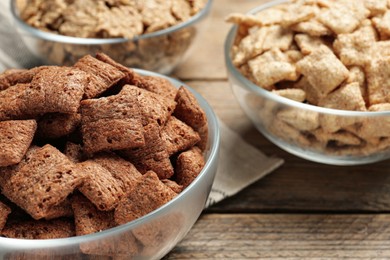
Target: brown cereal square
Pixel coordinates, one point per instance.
(189, 111)
(103, 75)
(287, 132)
(339, 138)
(55, 125)
(295, 94)
(312, 27)
(303, 120)
(376, 7)
(14, 104)
(43, 181)
(308, 44)
(57, 89)
(271, 67)
(74, 152)
(39, 229)
(100, 186)
(188, 166)
(323, 70)
(4, 212)
(63, 209)
(155, 84)
(297, 13)
(11, 77)
(129, 73)
(88, 219)
(15, 138)
(173, 185)
(347, 97)
(178, 136)
(277, 37)
(149, 195)
(378, 80)
(382, 24)
(112, 123)
(153, 155)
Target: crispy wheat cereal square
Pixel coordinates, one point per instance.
(173, 185)
(295, 94)
(313, 95)
(4, 212)
(129, 73)
(264, 18)
(278, 37)
(156, 85)
(100, 186)
(311, 27)
(286, 132)
(353, 48)
(56, 125)
(149, 195)
(60, 87)
(342, 17)
(333, 123)
(63, 209)
(154, 107)
(178, 136)
(297, 13)
(375, 127)
(44, 181)
(15, 138)
(376, 7)
(188, 166)
(123, 171)
(270, 68)
(112, 123)
(153, 155)
(88, 219)
(340, 138)
(39, 229)
(308, 44)
(347, 97)
(189, 111)
(11, 77)
(293, 56)
(378, 80)
(357, 74)
(303, 120)
(323, 70)
(382, 24)
(14, 104)
(103, 75)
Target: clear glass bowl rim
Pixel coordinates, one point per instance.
(96, 41)
(31, 244)
(279, 99)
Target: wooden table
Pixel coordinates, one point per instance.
(301, 210)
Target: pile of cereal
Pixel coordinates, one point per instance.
(328, 53)
(92, 146)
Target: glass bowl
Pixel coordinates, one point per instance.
(162, 228)
(300, 128)
(160, 51)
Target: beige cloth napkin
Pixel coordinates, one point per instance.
(240, 163)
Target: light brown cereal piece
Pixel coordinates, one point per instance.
(288, 133)
(342, 17)
(293, 56)
(88, 219)
(112, 123)
(15, 138)
(376, 7)
(156, 85)
(264, 18)
(178, 136)
(153, 155)
(74, 152)
(323, 70)
(181, 10)
(278, 37)
(333, 123)
(172, 185)
(311, 27)
(353, 48)
(308, 44)
(156, 15)
(297, 13)
(271, 67)
(382, 24)
(55, 125)
(347, 97)
(100, 186)
(42, 182)
(39, 229)
(291, 93)
(123, 171)
(379, 49)
(375, 127)
(188, 166)
(149, 195)
(378, 80)
(303, 120)
(339, 138)
(189, 111)
(4, 212)
(357, 74)
(312, 94)
(102, 75)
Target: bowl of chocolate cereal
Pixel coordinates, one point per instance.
(98, 160)
(151, 35)
(314, 78)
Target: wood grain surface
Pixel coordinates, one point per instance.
(303, 210)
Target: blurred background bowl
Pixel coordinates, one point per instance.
(160, 51)
(162, 228)
(281, 119)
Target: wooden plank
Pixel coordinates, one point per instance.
(286, 236)
(206, 59)
(299, 185)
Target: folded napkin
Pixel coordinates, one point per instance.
(240, 163)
